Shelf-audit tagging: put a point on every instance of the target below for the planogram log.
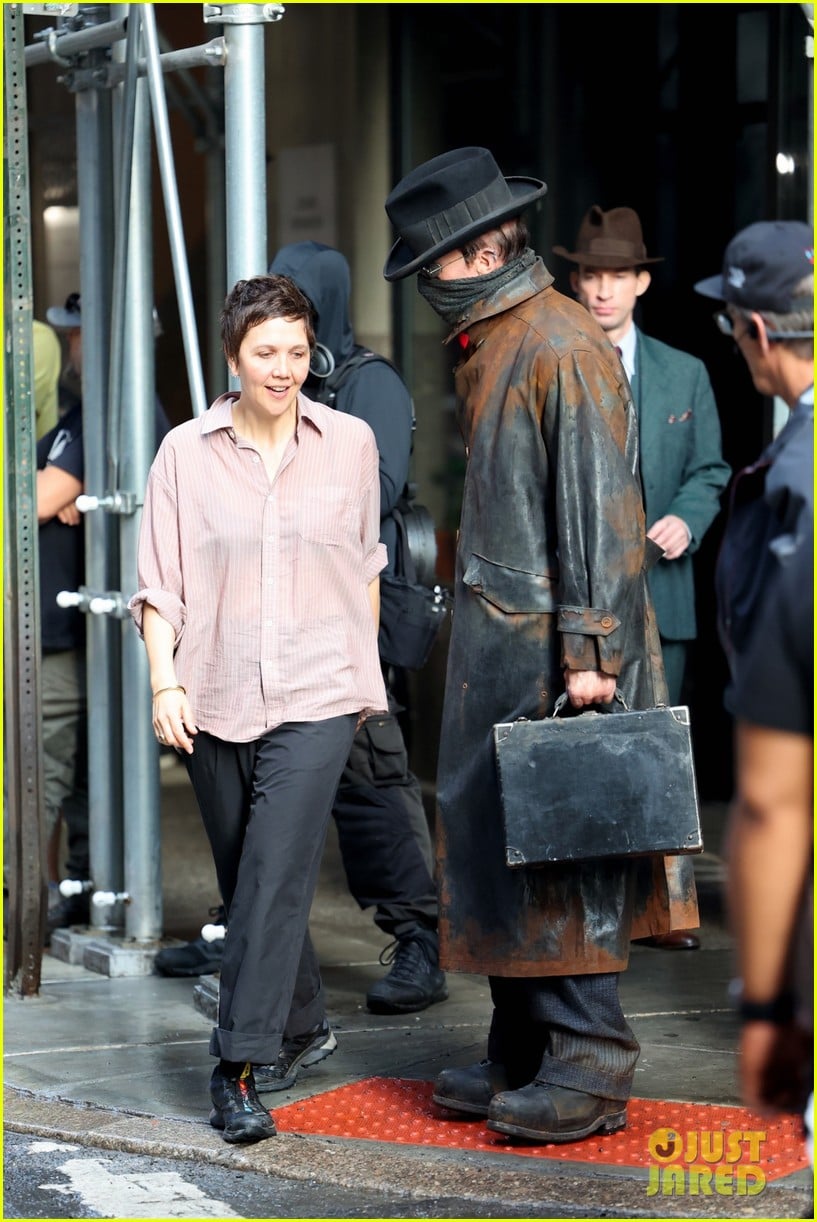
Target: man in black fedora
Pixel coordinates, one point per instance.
(550, 595)
(679, 438)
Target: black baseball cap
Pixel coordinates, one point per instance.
(762, 267)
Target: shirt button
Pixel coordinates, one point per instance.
(606, 621)
(256, 458)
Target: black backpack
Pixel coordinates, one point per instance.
(412, 604)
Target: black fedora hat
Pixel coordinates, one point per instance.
(447, 200)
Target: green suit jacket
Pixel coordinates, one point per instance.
(682, 469)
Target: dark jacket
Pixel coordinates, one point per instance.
(375, 391)
(771, 513)
(549, 573)
(682, 470)
(62, 548)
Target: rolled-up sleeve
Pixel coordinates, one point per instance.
(159, 567)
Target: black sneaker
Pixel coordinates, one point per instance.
(415, 980)
(200, 957)
(298, 1053)
(237, 1111)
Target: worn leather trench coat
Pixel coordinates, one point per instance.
(549, 573)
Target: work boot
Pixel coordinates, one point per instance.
(470, 1089)
(200, 957)
(297, 1053)
(544, 1113)
(415, 980)
(237, 1110)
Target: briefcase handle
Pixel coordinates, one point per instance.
(562, 701)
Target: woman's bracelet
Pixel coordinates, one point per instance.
(174, 687)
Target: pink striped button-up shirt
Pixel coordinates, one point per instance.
(266, 583)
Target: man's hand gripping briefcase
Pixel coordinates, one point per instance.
(598, 785)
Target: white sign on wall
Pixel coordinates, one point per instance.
(307, 197)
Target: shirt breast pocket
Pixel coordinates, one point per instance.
(326, 517)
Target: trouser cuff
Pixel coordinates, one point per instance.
(238, 1046)
(553, 1072)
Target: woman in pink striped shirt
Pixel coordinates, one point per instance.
(259, 564)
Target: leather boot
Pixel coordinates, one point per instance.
(470, 1089)
(544, 1113)
(237, 1110)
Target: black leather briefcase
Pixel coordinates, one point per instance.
(616, 784)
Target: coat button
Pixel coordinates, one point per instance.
(606, 621)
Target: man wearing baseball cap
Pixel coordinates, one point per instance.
(550, 594)
(764, 582)
(60, 480)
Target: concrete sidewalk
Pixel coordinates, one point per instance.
(123, 1064)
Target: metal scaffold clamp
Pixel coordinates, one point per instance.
(242, 14)
(111, 502)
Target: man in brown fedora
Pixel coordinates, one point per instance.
(550, 594)
(682, 470)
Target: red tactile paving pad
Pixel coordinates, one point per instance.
(685, 1135)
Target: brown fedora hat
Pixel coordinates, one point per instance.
(447, 200)
(609, 239)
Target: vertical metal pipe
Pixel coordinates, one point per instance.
(22, 728)
(137, 421)
(167, 172)
(123, 161)
(216, 240)
(93, 117)
(245, 149)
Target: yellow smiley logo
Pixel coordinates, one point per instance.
(665, 1145)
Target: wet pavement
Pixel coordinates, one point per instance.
(121, 1063)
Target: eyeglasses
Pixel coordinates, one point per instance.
(724, 323)
(433, 270)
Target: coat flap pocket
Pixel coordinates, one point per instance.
(509, 589)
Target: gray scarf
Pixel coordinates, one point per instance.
(453, 299)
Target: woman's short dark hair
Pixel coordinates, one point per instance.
(250, 302)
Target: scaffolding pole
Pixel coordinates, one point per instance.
(95, 192)
(22, 733)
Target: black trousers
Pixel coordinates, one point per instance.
(265, 807)
(564, 1031)
(382, 830)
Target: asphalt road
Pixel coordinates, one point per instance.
(51, 1179)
